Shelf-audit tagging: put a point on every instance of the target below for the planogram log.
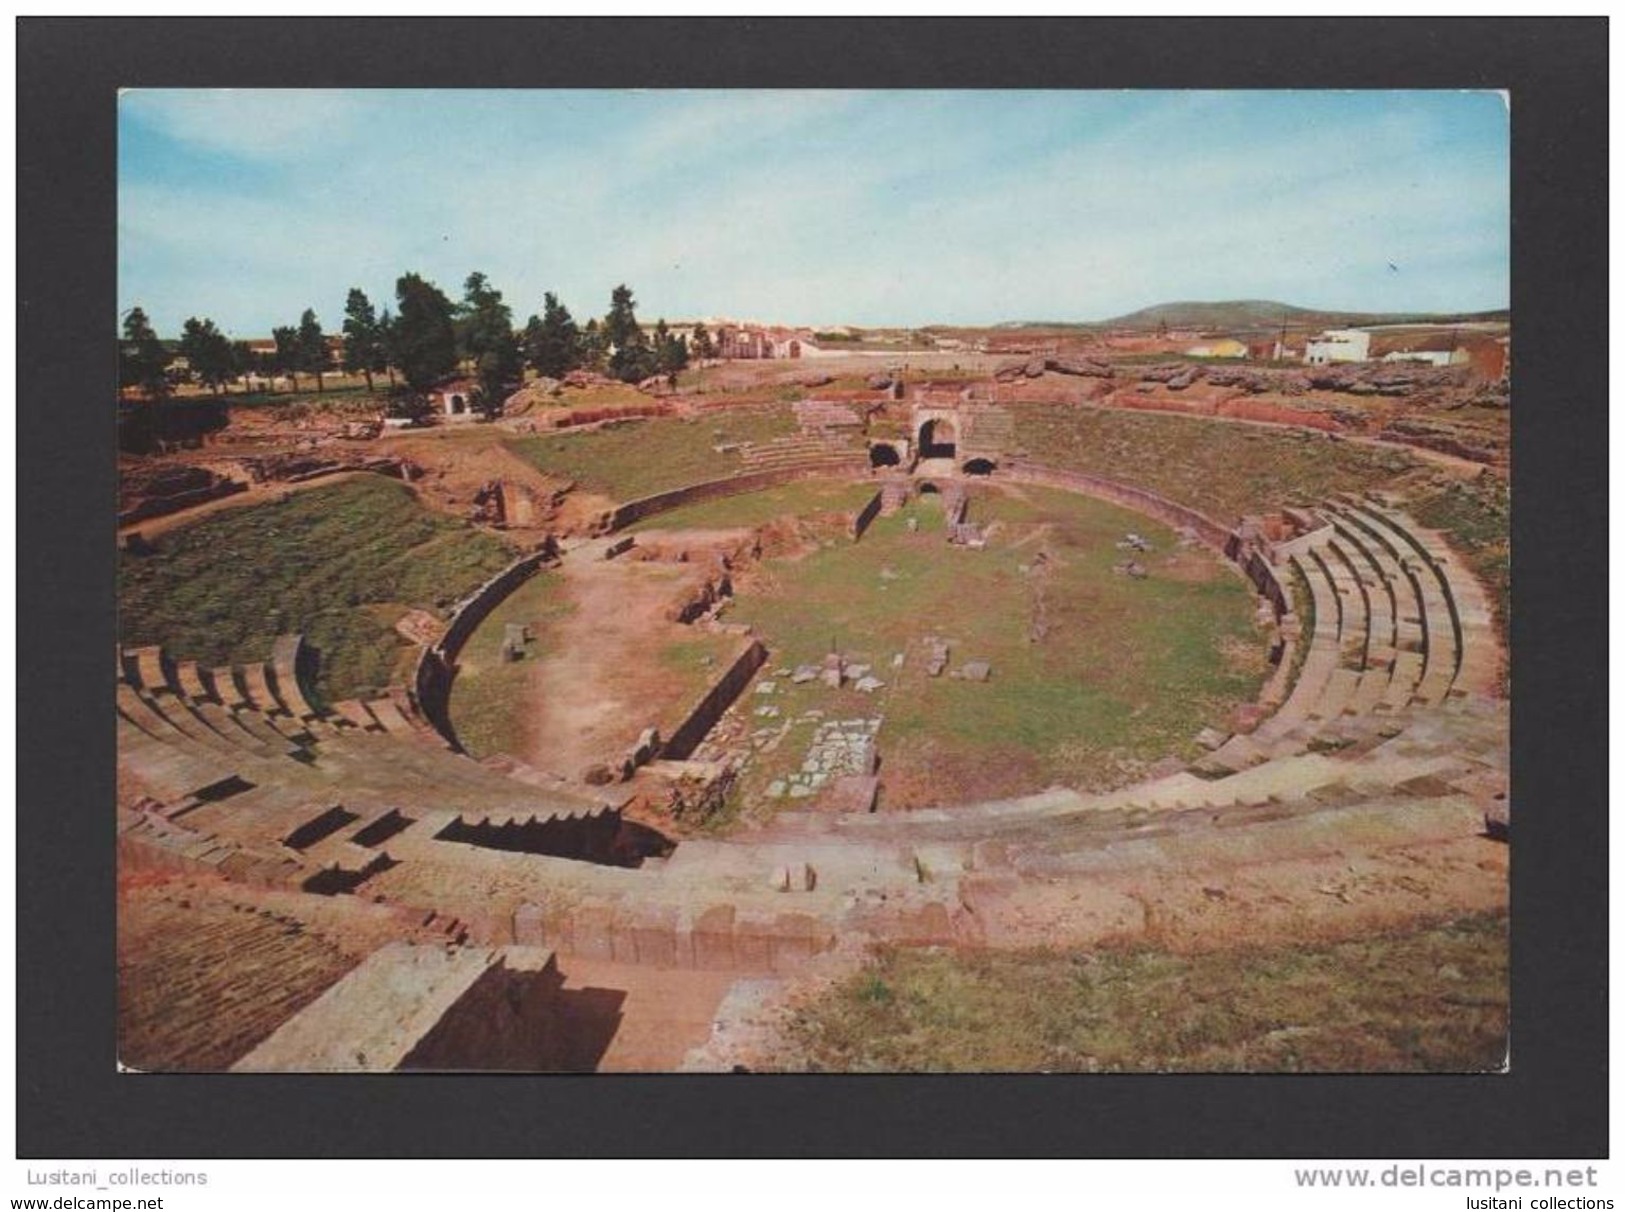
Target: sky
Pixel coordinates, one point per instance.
(811, 207)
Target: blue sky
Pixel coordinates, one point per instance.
(818, 207)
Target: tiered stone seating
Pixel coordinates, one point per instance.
(189, 681)
(174, 727)
(987, 429)
(1353, 633)
(1478, 651)
(226, 689)
(389, 717)
(151, 666)
(823, 415)
(324, 803)
(1440, 631)
(285, 656)
(257, 689)
(804, 450)
(1323, 653)
(355, 712)
(202, 982)
(1379, 654)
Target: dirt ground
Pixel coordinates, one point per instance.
(600, 679)
(657, 1015)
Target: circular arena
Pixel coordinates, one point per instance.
(923, 671)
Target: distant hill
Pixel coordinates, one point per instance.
(1263, 314)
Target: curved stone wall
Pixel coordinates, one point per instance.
(1222, 539)
(710, 490)
(1141, 500)
(437, 663)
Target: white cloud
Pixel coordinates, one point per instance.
(268, 124)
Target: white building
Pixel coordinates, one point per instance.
(1431, 357)
(1338, 345)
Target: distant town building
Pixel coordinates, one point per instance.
(750, 342)
(1273, 350)
(1338, 345)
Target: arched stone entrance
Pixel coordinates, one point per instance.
(938, 439)
(884, 454)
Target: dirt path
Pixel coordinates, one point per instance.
(601, 681)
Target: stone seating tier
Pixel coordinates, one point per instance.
(286, 653)
(1440, 634)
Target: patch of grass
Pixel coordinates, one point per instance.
(753, 509)
(488, 691)
(1223, 469)
(323, 562)
(1125, 672)
(642, 457)
(1429, 999)
(697, 660)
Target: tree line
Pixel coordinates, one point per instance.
(424, 340)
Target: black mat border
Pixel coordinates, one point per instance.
(70, 1103)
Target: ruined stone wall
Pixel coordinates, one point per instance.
(170, 490)
(866, 515)
(1221, 539)
(719, 938)
(687, 736)
(437, 664)
(711, 490)
(1263, 576)
(1232, 407)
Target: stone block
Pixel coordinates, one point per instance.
(530, 926)
(712, 938)
(753, 944)
(591, 928)
(654, 932)
(623, 940)
(795, 938)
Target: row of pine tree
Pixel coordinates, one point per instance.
(424, 340)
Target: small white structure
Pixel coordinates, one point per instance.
(1432, 357)
(1338, 345)
(454, 400)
